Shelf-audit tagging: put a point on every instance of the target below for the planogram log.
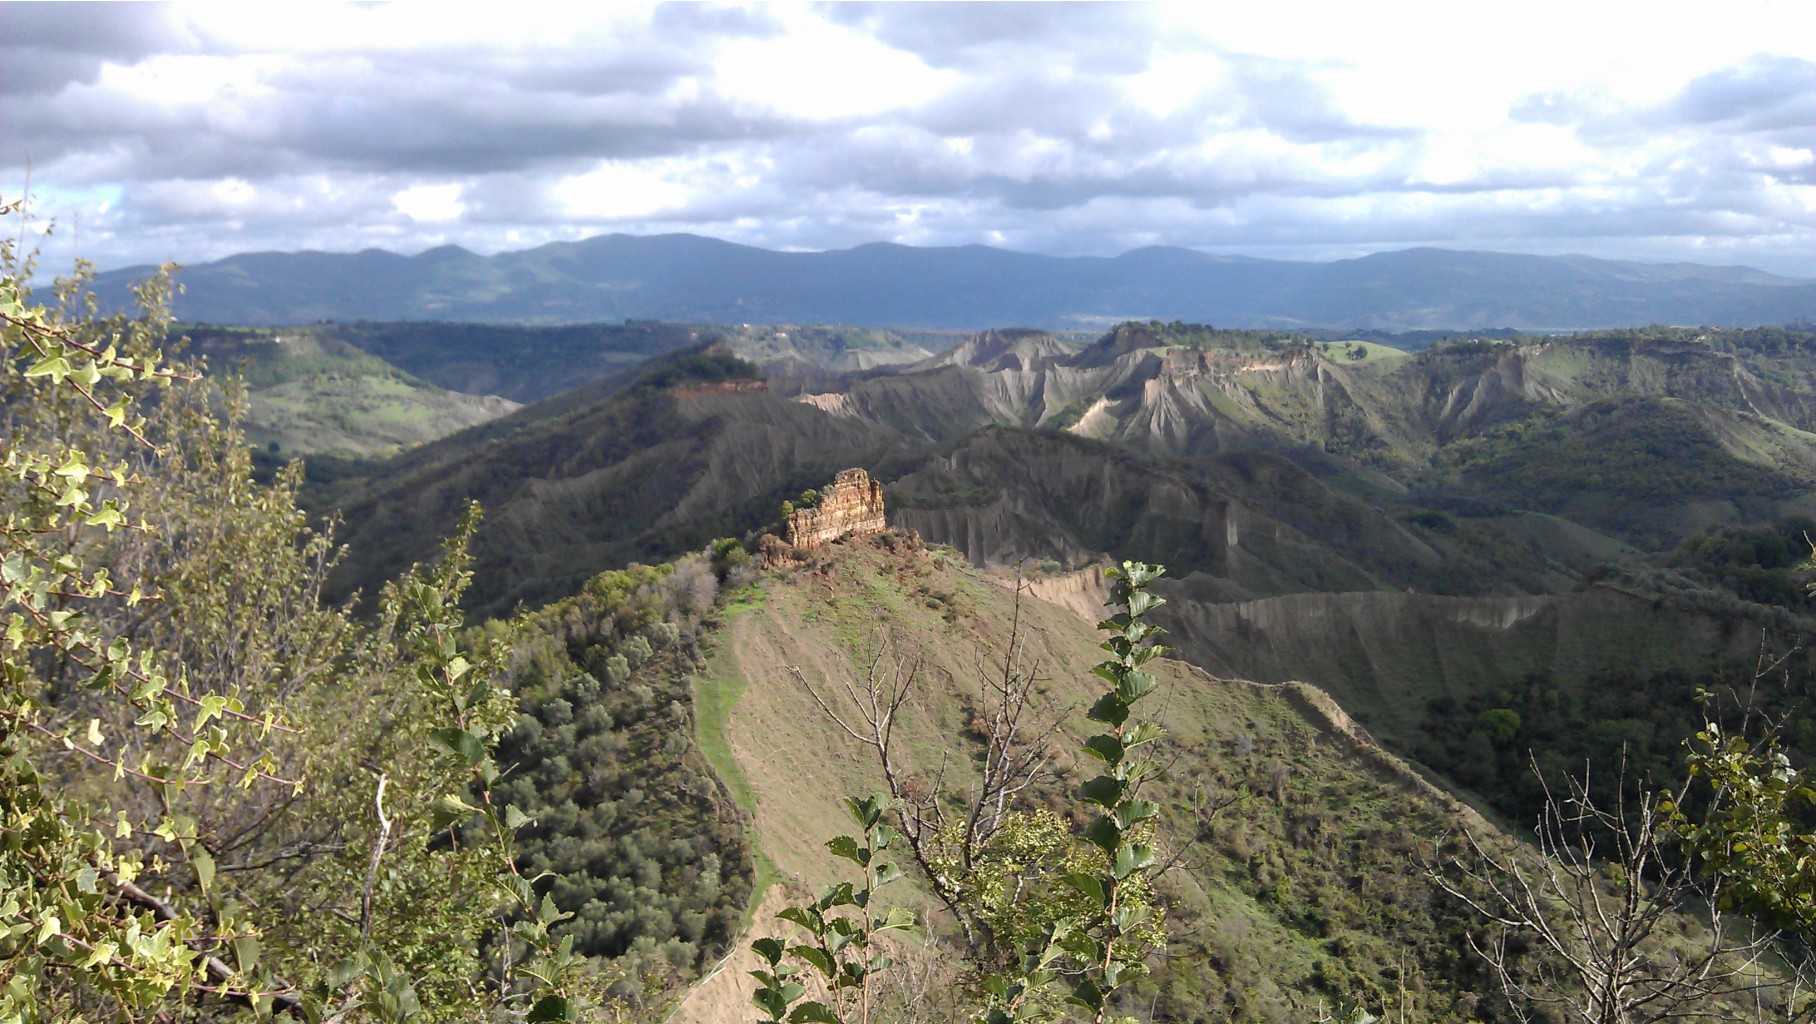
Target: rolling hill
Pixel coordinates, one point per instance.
(702, 280)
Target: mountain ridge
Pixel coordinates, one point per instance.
(694, 278)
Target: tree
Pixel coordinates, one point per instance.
(1627, 930)
(216, 793)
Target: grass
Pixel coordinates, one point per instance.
(715, 697)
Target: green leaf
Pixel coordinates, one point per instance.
(343, 972)
(1130, 859)
(203, 862)
(246, 949)
(847, 847)
(1109, 710)
(1134, 811)
(770, 1001)
(1101, 790)
(1103, 833)
(460, 743)
(1141, 602)
(882, 836)
(451, 810)
(813, 1012)
(553, 1008)
(1128, 916)
(770, 949)
(1135, 685)
(53, 366)
(817, 957)
(1144, 732)
(1088, 886)
(1088, 995)
(806, 917)
(1105, 747)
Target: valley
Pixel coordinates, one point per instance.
(888, 513)
(1416, 538)
(1400, 580)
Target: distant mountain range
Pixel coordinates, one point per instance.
(695, 279)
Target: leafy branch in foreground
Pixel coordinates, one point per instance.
(218, 796)
(1122, 829)
(840, 929)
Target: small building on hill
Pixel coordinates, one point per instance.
(851, 506)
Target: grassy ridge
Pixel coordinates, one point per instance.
(1303, 886)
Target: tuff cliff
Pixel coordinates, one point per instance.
(851, 506)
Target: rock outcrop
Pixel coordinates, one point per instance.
(851, 507)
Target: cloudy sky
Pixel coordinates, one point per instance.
(1642, 130)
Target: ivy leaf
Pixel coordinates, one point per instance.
(54, 366)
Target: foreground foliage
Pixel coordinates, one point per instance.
(218, 795)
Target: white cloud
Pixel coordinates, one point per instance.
(430, 204)
(617, 191)
(1629, 130)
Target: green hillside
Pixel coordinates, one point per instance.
(1304, 884)
(309, 393)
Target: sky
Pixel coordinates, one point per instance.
(1646, 131)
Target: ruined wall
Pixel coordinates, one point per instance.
(851, 506)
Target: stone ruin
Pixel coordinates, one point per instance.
(852, 506)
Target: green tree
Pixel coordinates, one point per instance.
(215, 793)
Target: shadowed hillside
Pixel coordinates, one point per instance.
(694, 448)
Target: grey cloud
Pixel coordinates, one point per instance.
(1037, 146)
(49, 45)
(391, 117)
(1772, 97)
(712, 20)
(1766, 92)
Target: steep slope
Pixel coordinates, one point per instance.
(683, 454)
(1304, 885)
(686, 277)
(1586, 428)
